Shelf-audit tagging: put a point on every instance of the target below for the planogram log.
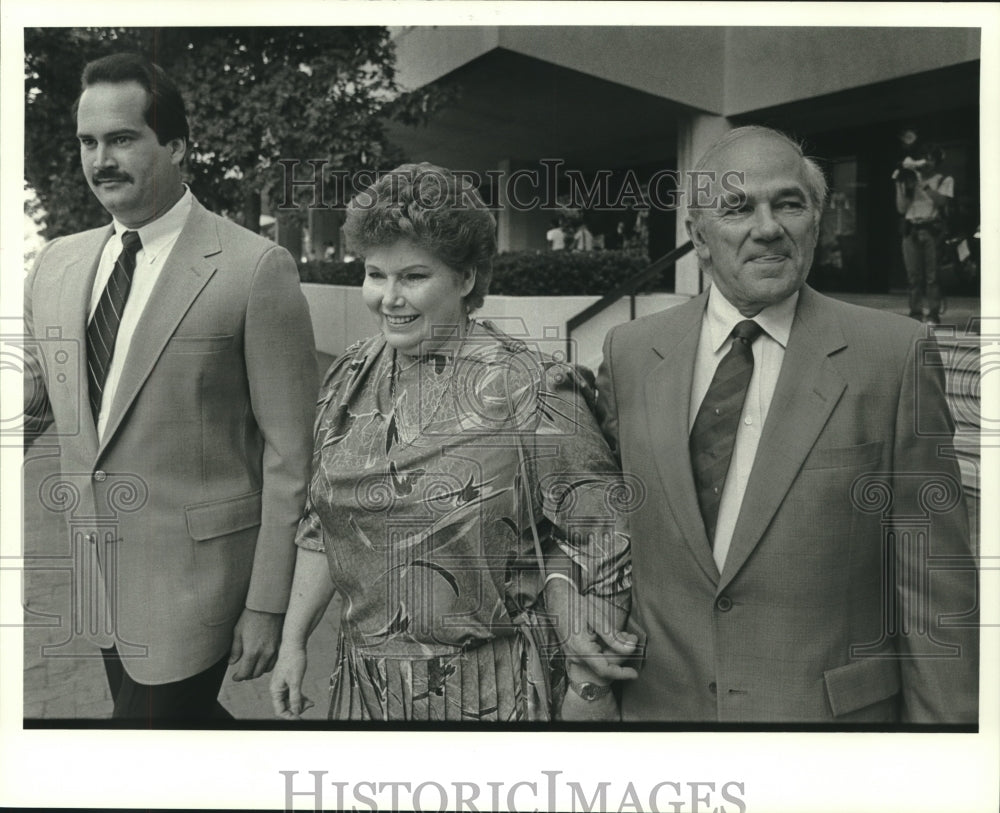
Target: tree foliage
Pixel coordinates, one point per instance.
(254, 96)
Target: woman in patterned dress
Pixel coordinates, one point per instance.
(463, 501)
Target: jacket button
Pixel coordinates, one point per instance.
(724, 603)
(712, 687)
(100, 476)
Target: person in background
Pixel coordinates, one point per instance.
(556, 236)
(616, 239)
(583, 239)
(463, 501)
(923, 202)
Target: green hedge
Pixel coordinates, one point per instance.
(520, 273)
(559, 273)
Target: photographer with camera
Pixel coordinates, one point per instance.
(922, 196)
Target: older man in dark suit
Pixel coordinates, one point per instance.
(801, 488)
(194, 383)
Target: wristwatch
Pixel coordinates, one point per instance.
(590, 691)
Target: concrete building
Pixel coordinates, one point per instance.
(616, 102)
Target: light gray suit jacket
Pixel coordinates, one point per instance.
(853, 507)
(185, 511)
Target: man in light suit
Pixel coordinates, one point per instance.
(820, 594)
(188, 441)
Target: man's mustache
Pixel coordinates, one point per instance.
(103, 177)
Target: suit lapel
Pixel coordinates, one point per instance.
(808, 388)
(75, 288)
(187, 270)
(668, 396)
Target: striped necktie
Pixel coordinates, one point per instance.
(103, 328)
(714, 432)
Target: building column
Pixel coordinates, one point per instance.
(519, 226)
(324, 227)
(505, 226)
(694, 135)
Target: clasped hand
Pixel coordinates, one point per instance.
(595, 647)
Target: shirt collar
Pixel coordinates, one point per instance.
(721, 317)
(162, 232)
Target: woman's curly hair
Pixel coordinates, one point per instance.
(438, 210)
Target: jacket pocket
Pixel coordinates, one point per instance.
(208, 520)
(225, 536)
(862, 455)
(860, 684)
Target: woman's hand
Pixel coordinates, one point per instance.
(576, 709)
(590, 631)
(312, 590)
(600, 651)
(286, 684)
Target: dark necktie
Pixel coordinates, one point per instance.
(103, 328)
(714, 432)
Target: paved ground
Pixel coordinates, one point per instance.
(960, 312)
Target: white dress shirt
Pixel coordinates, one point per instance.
(157, 239)
(768, 353)
(922, 207)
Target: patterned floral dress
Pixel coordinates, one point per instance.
(428, 476)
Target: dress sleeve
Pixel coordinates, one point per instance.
(583, 493)
(310, 533)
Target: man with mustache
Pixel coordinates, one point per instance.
(802, 492)
(191, 381)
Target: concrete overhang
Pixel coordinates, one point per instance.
(518, 107)
(938, 92)
(770, 66)
(612, 96)
(679, 63)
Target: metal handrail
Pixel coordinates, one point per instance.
(628, 288)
